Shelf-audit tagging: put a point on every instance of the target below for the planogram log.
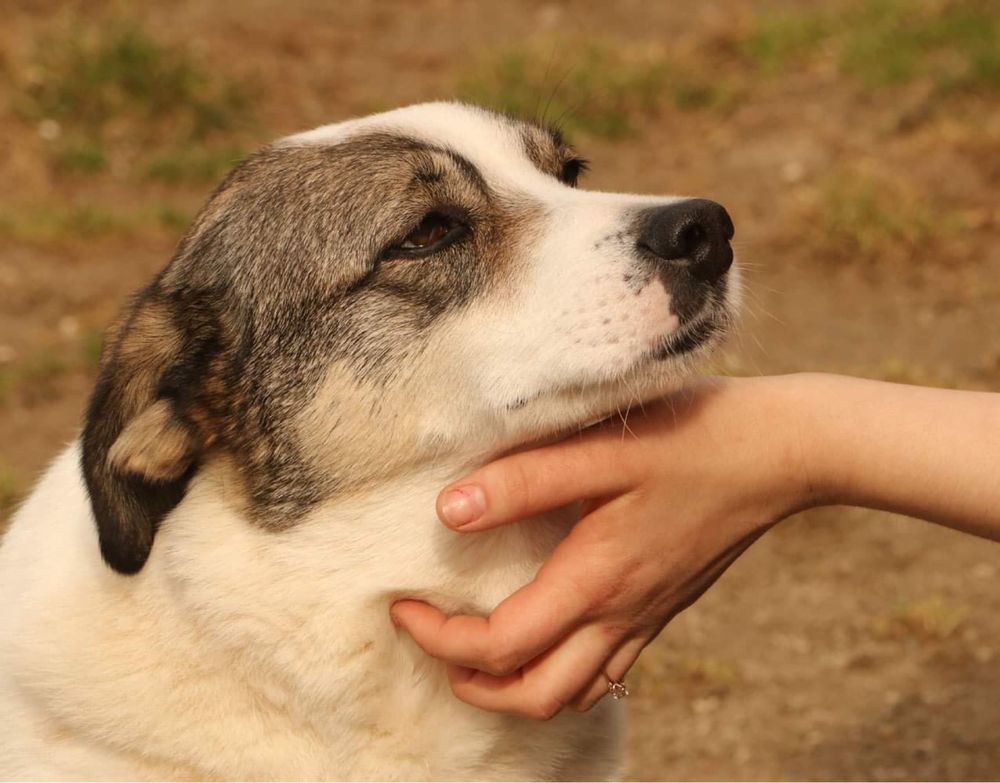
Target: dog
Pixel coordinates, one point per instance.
(199, 586)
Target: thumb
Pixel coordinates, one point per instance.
(532, 482)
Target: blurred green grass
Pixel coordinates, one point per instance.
(931, 619)
(112, 92)
(34, 379)
(607, 91)
(47, 222)
(193, 163)
(44, 223)
(868, 217)
(589, 87)
(955, 45)
(112, 100)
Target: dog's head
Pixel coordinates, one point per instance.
(366, 297)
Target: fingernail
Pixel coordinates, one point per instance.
(463, 505)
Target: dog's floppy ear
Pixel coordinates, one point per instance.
(140, 443)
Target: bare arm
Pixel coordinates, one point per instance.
(928, 453)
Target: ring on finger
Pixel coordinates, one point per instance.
(617, 688)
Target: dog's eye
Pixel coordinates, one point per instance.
(571, 171)
(437, 230)
(434, 228)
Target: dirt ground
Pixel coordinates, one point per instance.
(846, 644)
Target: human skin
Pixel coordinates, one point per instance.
(674, 497)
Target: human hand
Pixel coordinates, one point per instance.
(672, 499)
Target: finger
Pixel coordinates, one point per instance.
(520, 628)
(546, 685)
(615, 668)
(532, 482)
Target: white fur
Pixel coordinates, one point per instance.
(238, 653)
(241, 654)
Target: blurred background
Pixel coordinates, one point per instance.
(856, 144)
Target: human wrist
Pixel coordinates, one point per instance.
(798, 412)
(832, 452)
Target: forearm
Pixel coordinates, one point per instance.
(928, 453)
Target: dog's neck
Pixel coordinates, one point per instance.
(394, 516)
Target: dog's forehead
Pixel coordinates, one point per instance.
(495, 144)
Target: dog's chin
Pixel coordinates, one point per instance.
(562, 411)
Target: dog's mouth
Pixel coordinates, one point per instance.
(702, 331)
(650, 374)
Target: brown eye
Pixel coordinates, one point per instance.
(432, 229)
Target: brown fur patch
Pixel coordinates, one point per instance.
(546, 149)
(154, 445)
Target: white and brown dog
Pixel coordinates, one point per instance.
(199, 587)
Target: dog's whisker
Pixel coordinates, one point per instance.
(554, 92)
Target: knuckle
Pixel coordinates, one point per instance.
(545, 708)
(610, 632)
(500, 663)
(458, 687)
(464, 694)
(464, 689)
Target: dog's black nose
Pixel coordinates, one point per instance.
(696, 231)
